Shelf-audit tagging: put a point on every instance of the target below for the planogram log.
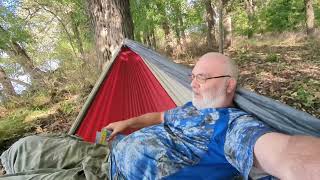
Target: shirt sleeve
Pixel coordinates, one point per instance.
(241, 137)
(172, 115)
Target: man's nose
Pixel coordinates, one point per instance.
(194, 84)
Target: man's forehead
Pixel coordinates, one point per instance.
(209, 67)
(201, 74)
(214, 56)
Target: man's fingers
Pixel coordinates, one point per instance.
(110, 127)
(114, 133)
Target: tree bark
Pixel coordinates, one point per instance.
(222, 4)
(228, 31)
(165, 26)
(181, 41)
(210, 23)
(153, 39)
(182, 32)
(112, 24)
(177, 29)
(221, 29)
(76, 32)
(138, 37)
(309, 17)
(166, 29)
(8, 89)
(26, 62)
(251, 17)
(147, 38)
(14, 49)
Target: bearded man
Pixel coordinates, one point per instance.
(208, 138)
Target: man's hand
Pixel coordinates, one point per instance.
(117, 127)
(139, 122)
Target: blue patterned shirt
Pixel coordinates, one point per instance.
(183, 140)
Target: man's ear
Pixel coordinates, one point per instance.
(232, 85)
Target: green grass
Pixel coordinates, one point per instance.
(272, 57)
(67, 107)
(13, 125)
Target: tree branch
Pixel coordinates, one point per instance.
(43, 6)
(30, 13)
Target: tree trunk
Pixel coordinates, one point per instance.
(16, 50)
(221, 29)
(182, 32)
(75, 28)
(138, 36)
(25, 61)
(210, 23)
(166, 29)
(112, 24)
(177, 29)
(153, 39)
(228, 31)
(165, 26)
(146, 38)
(178, 49)
(309, 17)
(8, 89)
(149, 40)
(251, 17)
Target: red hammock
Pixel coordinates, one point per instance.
(129, 89)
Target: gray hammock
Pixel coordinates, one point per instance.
(173, 78)
(278, 115)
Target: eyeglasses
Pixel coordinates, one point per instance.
(201, 79)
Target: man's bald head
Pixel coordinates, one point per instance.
(211, 85)
(219, 64)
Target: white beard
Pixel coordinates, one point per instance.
(209, 100)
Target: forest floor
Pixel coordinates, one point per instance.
(285, 68)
